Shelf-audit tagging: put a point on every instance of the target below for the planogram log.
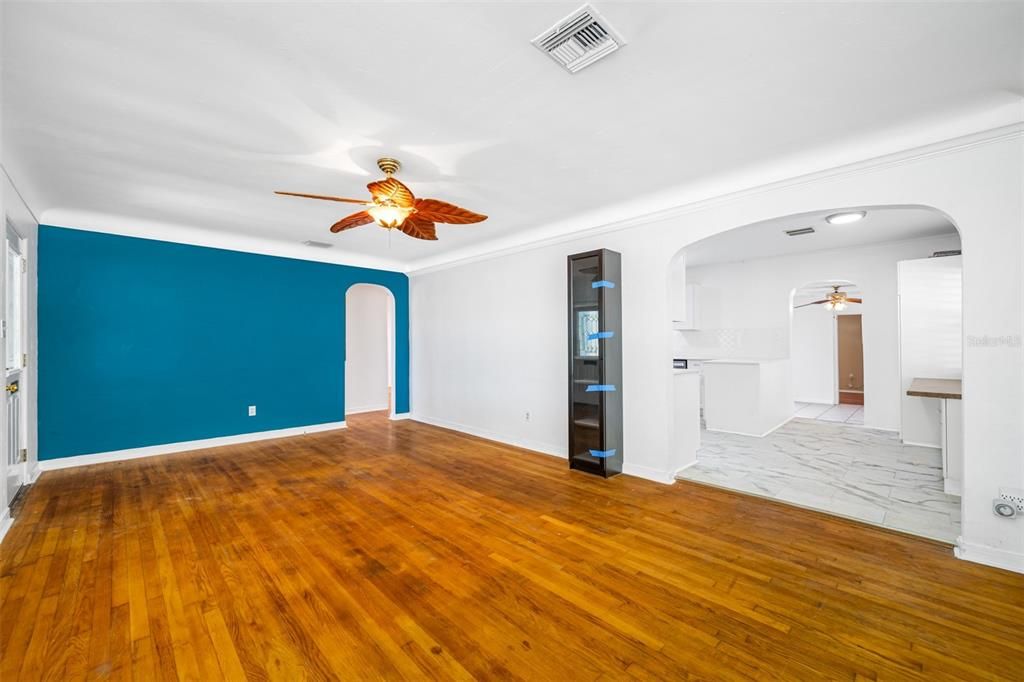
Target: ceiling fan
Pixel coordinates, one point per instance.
(835, 301)
(392, 205)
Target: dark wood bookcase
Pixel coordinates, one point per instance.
(595, 362)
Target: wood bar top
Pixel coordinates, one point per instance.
(951, 389)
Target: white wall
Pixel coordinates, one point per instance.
(488, 336)
(732, 327)
(366, 348)
(813, 354)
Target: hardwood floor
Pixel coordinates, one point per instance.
(399, 550)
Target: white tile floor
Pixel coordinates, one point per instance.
(836, 467)
(847, 414)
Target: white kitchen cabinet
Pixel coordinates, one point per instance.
(686, 309)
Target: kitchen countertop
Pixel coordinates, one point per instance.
(950, 389)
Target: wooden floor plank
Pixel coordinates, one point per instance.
(397, 550)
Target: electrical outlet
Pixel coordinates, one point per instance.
(1014, 496)
(252, 410)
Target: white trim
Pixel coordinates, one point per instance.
(536, 446)
(400, 417)
(766, 433)
(921, 445)
(169, 448)
(685, 467)
(990, 556)
(691, 199)
(683, 199)
(656, 475)
(951, 487)
(369, 408)
(197, 236)
(5, 522)
(648, 473)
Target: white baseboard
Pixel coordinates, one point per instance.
(922, 445)
(5, 523)
(400, 417)
(639, 471)
(990, 556)
(685, 467)
(755, 435)
(951, 486)
(169, 448)
(648, 473)
(536, 446)
(366, 408)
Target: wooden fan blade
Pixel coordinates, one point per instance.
(325, 198)
(417, 226)
(354, 220)
(443, 212)
(854, 300)
(824, 300)
(390, 189)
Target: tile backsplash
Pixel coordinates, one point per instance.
(733, 342)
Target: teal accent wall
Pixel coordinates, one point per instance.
(143, 342)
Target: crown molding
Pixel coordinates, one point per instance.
(698, 199)
(196, 236)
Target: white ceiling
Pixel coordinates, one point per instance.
(768, 238)
(193, 113)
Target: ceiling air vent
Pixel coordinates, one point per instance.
(800, 231)
(317, 245)
(579, 40)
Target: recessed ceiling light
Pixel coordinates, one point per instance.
(845, 217)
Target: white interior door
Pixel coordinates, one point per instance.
(13, 329)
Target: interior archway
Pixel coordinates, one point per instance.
(735, 297)
(369, 349)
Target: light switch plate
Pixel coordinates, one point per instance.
(252, 410)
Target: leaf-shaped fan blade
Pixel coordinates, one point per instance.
(416, 226)
(443, 212)
(354, 220)
(325, 198)
(390, 189)
(824, 300)
(854, 300)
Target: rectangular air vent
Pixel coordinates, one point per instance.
(579, 40)
(317, 245)
(800, 231)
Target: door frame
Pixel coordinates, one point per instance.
(19, 373)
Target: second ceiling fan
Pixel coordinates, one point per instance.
(835, 301)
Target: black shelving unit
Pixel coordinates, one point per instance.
(595, 362)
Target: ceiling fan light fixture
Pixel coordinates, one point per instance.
(845, 217)
(389, 216)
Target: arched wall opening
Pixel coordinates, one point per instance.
(752, 308)
(827, 344)
(752, 270)
(369, 349)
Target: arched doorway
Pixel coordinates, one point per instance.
(735, 298)
(369, 350)
(827, 350)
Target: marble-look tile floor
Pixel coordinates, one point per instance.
(864, 474)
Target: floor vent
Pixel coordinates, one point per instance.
(317, 245)
(800, 231)
(579, 40)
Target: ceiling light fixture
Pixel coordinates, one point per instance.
(845, 217)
